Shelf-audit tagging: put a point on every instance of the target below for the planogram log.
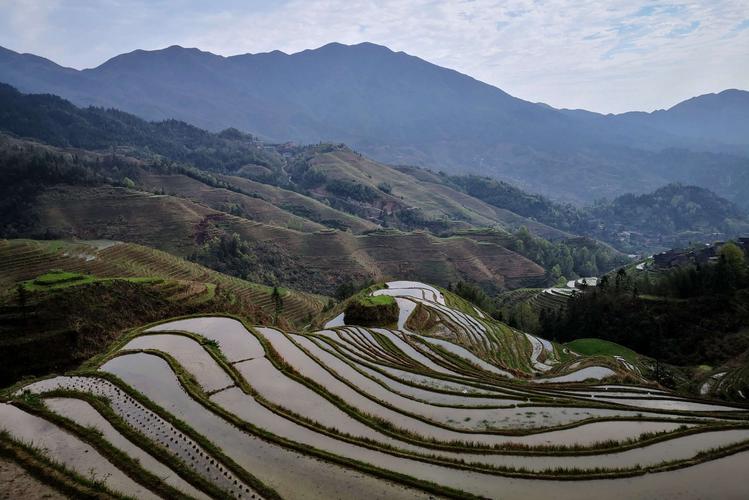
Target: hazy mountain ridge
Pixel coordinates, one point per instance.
(722, 117)
(401, 109)
(309, 188)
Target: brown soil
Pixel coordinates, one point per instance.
(15, 483)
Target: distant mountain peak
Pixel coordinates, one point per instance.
(402, 109)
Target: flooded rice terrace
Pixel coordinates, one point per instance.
(442, 402)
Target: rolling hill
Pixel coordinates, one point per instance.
(316, 260)
(286, 215)
(400, 109)
(671, 216)
(311, 187)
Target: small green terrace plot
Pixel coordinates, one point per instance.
(451, 403)
(592, 347)
(55, 280)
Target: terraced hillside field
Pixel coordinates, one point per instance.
(437, 401)
(22, 260)
(412, 188)
(310, 261)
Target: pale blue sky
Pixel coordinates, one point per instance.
(607, 56)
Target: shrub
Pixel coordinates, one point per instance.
(385, 187)
(371, 311)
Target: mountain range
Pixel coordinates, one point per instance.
(312, 217)
(400, 109)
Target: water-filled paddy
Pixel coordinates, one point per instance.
(236, 342)
(187, 352)
(68, 449)
(290, 473)
(84, 414)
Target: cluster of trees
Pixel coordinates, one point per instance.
(351, 287)
(410, 218)
(229, 254)
(254, 261)
(672, 208)
(60, 123)
(521, 316)
(504, 195)
(472, 293)
(728, 274)
(567, 258)
(671, 216)
(27, 171)
(690, 315)
(349, 189)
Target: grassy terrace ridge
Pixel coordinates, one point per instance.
(592, 347)
(55, 280)
(36, 462)
(376, 300)
(55, 277)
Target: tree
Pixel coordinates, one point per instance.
(528, 319)
(733, 264)
(604, 283)
(621, 279)
(385, 187)
(277, 303)
(556, 273)
(345, 290)
(22, 295)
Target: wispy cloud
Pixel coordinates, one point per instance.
(610, 55)
(684, 29)
(742, 25)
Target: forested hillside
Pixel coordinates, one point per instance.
(56, 121)
(192, 207)
(694, 317)
(671, 216)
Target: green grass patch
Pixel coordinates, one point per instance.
(593, 347)
(55, 280)
(54, 277)
(376, 300)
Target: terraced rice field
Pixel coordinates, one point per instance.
(445, 403)
(27, 259)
